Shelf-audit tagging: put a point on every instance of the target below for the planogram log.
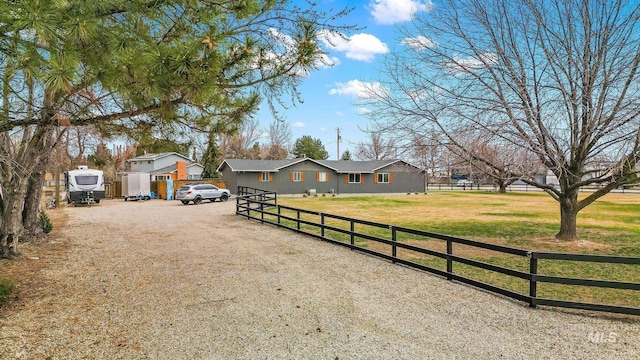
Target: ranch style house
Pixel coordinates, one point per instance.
(297, 176)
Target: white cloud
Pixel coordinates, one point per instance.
(419, 42)
(358, 89)
(361, 47)
(325, 61)
(469, 64)
(389, 12)
(363, 110)
(339, 113)
(297, 124)
(272, 59)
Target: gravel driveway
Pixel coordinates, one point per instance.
(159, 280)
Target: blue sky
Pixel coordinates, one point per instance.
(330, 94)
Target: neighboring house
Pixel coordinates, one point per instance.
(297, 176)
(169, 165)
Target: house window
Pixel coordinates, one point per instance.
(355, 178)
(265, 177)
(322, 176)
(297, 176)
(148, 162)
(383, 178)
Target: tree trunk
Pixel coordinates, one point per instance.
(32, 203)
(12, 227)
(41, 147)
(568, 216)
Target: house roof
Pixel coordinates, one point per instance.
(256, 165)
(339, 166)
(172, 168)
(158, 156)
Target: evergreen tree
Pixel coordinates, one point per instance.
(151, 67)
(307, 146)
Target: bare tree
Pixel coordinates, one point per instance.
(557, 78)
(280, 134)
(428, 153)
(502, 164)
(377, 149)
(279, 141)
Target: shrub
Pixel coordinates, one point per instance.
(46, 222)
(334, 195)
(409, 193)
(315, 195)
(6, 287)
(416, 193)
(324, 195)
(304, 195)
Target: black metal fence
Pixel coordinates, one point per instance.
(624, 189)
(261, 205)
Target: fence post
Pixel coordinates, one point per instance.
(298, 217)
(279, 209)
(322, 224)
(449, 260)
(261, 212)
(393, 238)
(353, 240)
(533, 285)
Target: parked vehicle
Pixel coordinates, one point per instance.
(464, 183)
(84, 185)
(199, 192)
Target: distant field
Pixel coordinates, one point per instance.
(610, 226)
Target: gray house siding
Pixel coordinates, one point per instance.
(281, 180)
(149, 165)
(405, 178)
(231, 179)
(402, 177)
(142, 166)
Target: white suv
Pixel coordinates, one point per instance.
(199, 192)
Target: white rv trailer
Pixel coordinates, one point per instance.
(84, 185)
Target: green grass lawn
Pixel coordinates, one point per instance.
(610, 226)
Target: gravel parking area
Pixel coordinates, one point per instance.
(160, 280)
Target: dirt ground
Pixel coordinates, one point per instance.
(160, 280)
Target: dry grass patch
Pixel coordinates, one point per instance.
(37, 255)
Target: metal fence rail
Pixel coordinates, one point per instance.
(261, 205)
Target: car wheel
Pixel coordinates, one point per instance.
(185, 202)
(197, 200)
(224, 197)
(97, 201)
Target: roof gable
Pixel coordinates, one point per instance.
(339, 166)
(153, 157)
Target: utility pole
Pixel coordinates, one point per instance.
(338, 142)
